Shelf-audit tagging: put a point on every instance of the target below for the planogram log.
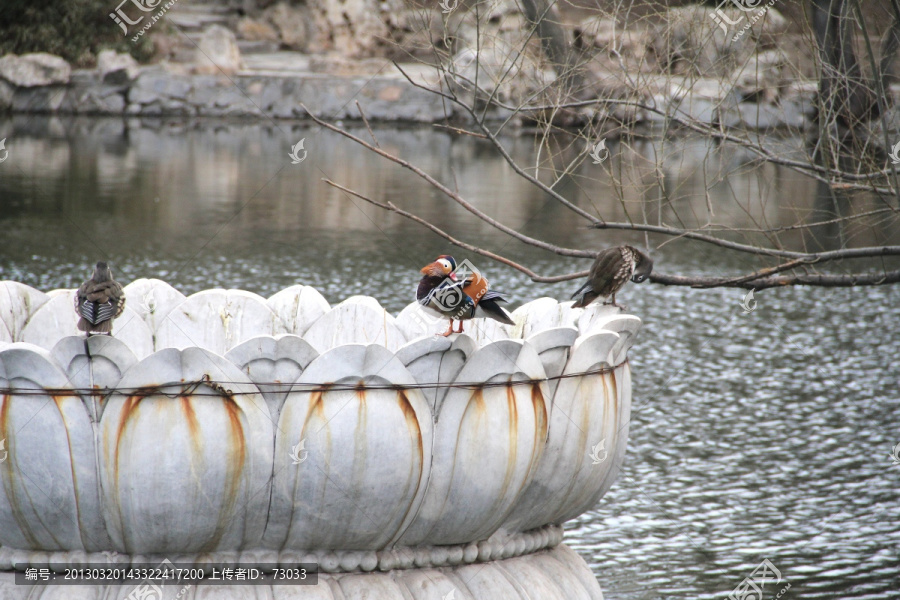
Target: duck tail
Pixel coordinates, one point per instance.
(585, 300)
(494, 311)
(586, 285)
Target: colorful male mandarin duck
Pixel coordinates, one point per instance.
(611, 270)
(441, 291)
(98, 301)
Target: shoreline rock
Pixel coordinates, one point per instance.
(220, 82)
(37, 69)
(158, 91)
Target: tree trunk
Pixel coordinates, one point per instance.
(554, 41)
(845, 96)
(889, 46)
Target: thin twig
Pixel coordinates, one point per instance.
(458, 130)
(389, 206)
(366, 121)
(453, 195)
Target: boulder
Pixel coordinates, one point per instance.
(218, 52)
(33, 70)
(256, 30)
(357, 28)
(708, 41)
(493, 66)
(115, 68)
(291, 23)
(761, 77)
(632, 43)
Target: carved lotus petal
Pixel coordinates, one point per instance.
(48, 484)
(217, 320)
(171, 456)
(487, 443)
(57, 319)
(366, 456)
(298, 307)
(17, 303)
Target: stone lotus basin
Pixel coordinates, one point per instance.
(224, 426)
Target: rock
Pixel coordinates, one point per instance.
(6, 96)
(39, 99)
(873, 131)
(357, 28)
(517, 76)
(33, 70)
(763, 116)
(115, 68)
(761, 77)
(507, 55)
(632, 43)
(697, 109)
(218, 52)
(156, 84)
(291, 23)
(101, 99)
(256, 30)
(413, 31)
(708, 41)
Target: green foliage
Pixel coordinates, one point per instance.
(77, 30)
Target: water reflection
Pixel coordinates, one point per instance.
(754, 436)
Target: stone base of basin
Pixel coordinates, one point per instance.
(498, 547)
(556, 573)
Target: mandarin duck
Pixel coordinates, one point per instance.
(98, 301)
(441, 291)
(611, 270)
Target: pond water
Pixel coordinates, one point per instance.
(754, 436)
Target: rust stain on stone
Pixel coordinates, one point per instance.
(412, 423)
(236, 458)
(236, 431)
(128, 409)
(513, 411)
(4, 417)
(191, 418)
(540, 417)
(362, 416)
(478, 398)
(615, 396)
(58, 399)
(317, 403)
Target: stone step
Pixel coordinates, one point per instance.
(257, 47)
(196, 21)
(204, 7)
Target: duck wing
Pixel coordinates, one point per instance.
(450, 299)
(99, 302)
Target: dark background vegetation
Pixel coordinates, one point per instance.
(76, 30)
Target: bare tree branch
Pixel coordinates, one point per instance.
(451, 194)
(389, 206)
(757, 280)
(842, 162)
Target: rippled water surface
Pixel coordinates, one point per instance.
(753, 436)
